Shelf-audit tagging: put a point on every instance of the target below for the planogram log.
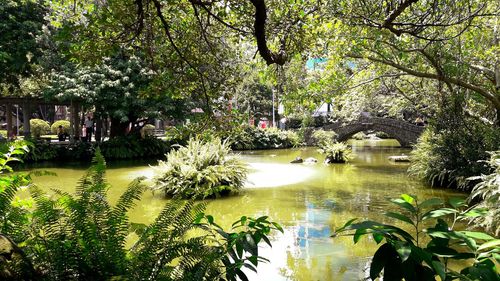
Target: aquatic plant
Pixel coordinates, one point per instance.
(335, 152)
(426, 252)
(200, 169)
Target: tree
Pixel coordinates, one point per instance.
(454, 43)
(117, 88)
(21, 22)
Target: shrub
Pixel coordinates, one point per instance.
(40, 151)
(382, 135)
(359, 136)
(148, 130)
(488, 192)
(321, 137)
(404, 254)
(335, 152)
(125, 147)
(450, 155)
(55, 126)
(256, 138)
(451, 149)
(39, 127)
(200, 169)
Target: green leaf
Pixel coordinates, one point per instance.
(439, 268)
(403, 204)
(380, 260)
(456, 202)
(431, 202)
(489, 244)
(408, 198)
(439, 213)
(357, 235)
(403, 250)
(400, 217)
(478, 235)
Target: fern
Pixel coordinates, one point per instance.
(199, 170)
(82, 236)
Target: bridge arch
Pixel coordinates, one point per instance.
(405, 133)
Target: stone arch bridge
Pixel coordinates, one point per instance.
(405, 133)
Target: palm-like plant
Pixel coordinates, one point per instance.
(200, 169)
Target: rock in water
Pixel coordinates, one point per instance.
(297, 160)
(311, 160)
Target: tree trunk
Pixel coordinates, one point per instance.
(118, 128)
(98, 130)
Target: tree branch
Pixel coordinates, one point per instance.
(494, 99)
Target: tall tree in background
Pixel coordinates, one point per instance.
(20, 23)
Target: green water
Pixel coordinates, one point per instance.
(307, 200)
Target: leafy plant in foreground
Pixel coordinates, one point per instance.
(427, 251)
(14, 216)
(488, 191)
(84, 237)
(200, 169)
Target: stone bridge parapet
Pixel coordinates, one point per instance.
(406, 133)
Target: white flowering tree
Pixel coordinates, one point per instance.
(117, 89)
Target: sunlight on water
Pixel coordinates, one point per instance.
(273, 175)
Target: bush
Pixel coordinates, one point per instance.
(39, 127)
(488, 192)
(148, 130)
(270, 138)
(126, 147)
(321, 137)
(404, 254)
(335, 152)
(359, 136)
(200, 169)
(382, 135)
(448, 155)
(40, 151)
(55, 126)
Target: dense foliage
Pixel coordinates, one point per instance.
(54, 128)
(130, 147)
(200, 169)
(487, 191)
(39, 127)
(335, 152)
(84, 237)
(452, 149)
(426, 252)
(21, 22)
(125, 147)
(270, 138)
(321, 137)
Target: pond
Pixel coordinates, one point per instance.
(307, 200)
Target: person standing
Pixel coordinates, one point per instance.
(89, 128)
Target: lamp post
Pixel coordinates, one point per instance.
(274, 123)
(17, 120)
